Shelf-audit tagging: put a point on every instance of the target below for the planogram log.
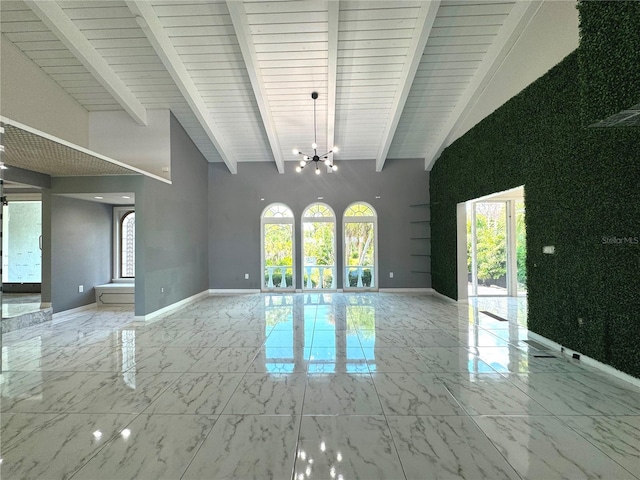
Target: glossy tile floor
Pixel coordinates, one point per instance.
(332, 386)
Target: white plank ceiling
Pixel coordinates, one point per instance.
(393, 77)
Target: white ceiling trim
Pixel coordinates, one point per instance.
(63, 27)
(151, 26)
(86, 151)
(332, 72)
(518, 19)
(243, 34)
(421, 32)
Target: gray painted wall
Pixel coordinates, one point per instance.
(171, 229)
(235, 207)
(171, 225)
(81, 245)
(63, 185)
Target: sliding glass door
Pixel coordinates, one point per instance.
(496, 248)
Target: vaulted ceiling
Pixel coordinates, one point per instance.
(394, 78)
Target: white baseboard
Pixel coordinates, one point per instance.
(60, 316)
(173, 306)
(406, 290)
(299, 290)
(448, 299)
(232, 291)
(585, 359)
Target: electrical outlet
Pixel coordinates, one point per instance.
(246, 276)
(80, 288)
(390, 274)
(161, 289)
(580, 321)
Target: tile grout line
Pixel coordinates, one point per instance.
(587, 438)
(304, 395)
(197, 450)
(111, 440)
(471, 417)
(384, 413)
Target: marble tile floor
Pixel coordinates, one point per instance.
(303, 386)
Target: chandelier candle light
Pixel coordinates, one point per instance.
(315, 157)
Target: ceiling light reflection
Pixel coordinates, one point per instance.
(97, 434)
(126, 433)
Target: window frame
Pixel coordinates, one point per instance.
(360, 219)
(119, 214)
(323, 219)
(278, 220)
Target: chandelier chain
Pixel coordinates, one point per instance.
(315, 158)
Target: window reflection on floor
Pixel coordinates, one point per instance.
(129, 358)
(315, 333)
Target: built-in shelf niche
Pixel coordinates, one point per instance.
(420, 238)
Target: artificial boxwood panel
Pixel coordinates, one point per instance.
(609, 57)
(582, 187)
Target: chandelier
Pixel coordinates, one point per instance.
(306, 159)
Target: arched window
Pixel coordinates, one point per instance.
(318, 247)
(277, 247)
(360, 246)
(128, 245)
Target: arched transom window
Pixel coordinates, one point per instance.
(360, 210)
(318, 210)
(278, 211)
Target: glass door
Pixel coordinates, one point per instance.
(497, 247)
(21, 242)
(277, 248)
(487, 248)
(318, 248)
(360, 244)
(521, 248)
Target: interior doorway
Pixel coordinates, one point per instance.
(496, 245)
(21, 250)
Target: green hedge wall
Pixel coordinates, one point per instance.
(582, 185)
(609, 57)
